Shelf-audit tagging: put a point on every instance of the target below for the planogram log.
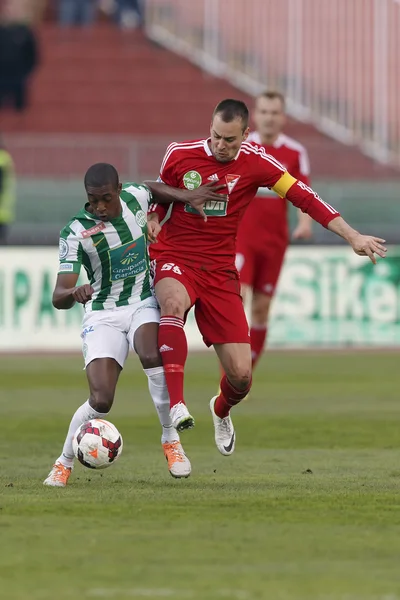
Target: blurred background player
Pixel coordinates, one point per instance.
(263, 235)
(7, 192)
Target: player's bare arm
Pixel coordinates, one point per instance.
(363, 245)
(308, 201)
(66, 293)
(196, 198)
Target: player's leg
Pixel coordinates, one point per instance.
(222, 321)
(175, 296)
(143, 336)
(260, 307)
(268, 268)
(102, 374)
(245, 262)
(105, 349)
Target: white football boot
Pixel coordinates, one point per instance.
(58, 476)
(181, 417)
(178, 463)
(225, 437)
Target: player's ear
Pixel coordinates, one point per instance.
(246, 133)
(119, 187)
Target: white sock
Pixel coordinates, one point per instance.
(83, 414)
(159, 393)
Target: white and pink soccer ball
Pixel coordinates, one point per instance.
(97, 444)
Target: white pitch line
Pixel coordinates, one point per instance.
(164, 593)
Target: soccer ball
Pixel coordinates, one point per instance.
(97, 444)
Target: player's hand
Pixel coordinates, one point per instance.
(303, 231)
(198, 197)
(82, 293)
(153, 229)
(368, 245)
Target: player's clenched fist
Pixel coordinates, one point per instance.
(153, 228)
(83, 293)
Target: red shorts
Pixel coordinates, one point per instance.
(260, 268)
(218, 306)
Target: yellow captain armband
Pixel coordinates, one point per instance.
(284, 184)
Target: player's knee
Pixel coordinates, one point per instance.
(240, 376)
(173, 306)
(150, 358)
(101, 400)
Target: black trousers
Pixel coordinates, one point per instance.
(13, 92)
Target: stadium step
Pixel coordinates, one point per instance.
(103, 81)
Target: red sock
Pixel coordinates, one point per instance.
(173, 348)
(228, 397)
(257, 337)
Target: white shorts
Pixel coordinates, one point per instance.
(110, 333)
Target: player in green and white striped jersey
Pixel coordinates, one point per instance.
(109, 238)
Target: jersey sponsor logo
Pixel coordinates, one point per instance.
(128, 260)
(141, 218)
(231, 181)
(192, 180)
(212, 208)
(93, 230)
(66, 267)
(129, 255)
(63, 249)
(213, 177)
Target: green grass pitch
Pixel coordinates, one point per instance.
(308, 507)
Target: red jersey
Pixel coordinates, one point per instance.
(267, 216)
(211, 245)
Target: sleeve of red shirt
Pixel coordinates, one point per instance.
(303, 197)
(167, 176)
(273, 175)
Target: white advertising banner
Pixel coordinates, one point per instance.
(327, 297)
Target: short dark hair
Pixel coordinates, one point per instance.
(272, 95)
(101, 174)
(229, 110)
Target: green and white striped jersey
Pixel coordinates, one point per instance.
(114, 253)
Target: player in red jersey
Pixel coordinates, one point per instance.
(263, 234)
(195, 256)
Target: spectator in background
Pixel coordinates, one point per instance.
(7, 193)
(77, 12)
(129, 14)
(18, 57)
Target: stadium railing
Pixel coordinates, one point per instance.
(50, 169)
(337, 61)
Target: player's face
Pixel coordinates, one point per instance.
(104, 201)
(226, 138)
(269, 117)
